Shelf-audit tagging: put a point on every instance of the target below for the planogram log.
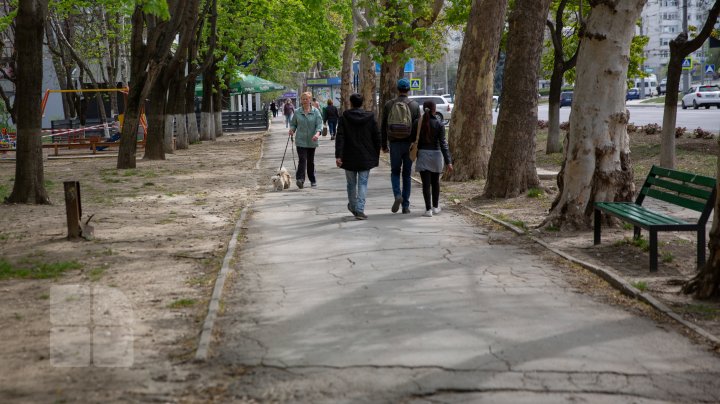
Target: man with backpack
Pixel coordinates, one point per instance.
(397, 119)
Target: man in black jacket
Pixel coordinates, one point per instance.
(357, 150)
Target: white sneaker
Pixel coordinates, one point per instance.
(437, 210)
(428, 213)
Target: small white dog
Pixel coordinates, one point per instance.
(281, 180)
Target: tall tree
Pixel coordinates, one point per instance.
(401, 25)
(153, 33)
(561, 63)
(29, 175)
(680, 47)
(511, 170)
(597, 164)
(347, 58)
(471, 126)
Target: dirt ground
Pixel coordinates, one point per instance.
(161, 232)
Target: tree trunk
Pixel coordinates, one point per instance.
(511, 170)
(347, 70)
(368, 83)
(176, 112)
(471, 129)
(706, 284)
(207, 121)
(680, 47)
(390, 73)
(428, 78)
(217, 110)
(597, 163)
(60, 71)
(553, 139)
(189, 99)
(29, 175)
(155, 148)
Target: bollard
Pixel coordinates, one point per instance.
(73, 208)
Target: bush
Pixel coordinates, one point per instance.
(632, 128)
(652, 128)
(700, 133)
(542, 124)
(680, 131)
(565, 125)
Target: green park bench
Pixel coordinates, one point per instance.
(677, 188)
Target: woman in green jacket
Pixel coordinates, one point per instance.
(306, 125)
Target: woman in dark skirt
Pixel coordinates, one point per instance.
(433, 155)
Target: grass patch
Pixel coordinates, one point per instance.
(4, 191)
(667, 257)
(535, 193)
(552, 228)
(149, 184)
(44, 296)
(704, 311)
(628, 226)
(36, 270)
(640, 285)
(654, 100)
(182, 303)
(95, 274)
(641, 243)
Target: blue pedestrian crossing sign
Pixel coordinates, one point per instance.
(415, 84)
(687, 64)
(709, 69)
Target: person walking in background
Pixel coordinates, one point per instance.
(306, 125)
(315, 103)
(357, 151)
(288, 111)
(273, 109)
(331, 116)
(433, 153)
(397, 118)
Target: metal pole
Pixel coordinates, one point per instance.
(447, 88)
(686, 73)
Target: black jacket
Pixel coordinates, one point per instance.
(358, 140)
(436, 139)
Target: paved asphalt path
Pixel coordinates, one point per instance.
(403, 308)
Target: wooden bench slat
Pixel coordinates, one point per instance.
(682, 176)
(638, 213)
(703, 193)
(674, 199)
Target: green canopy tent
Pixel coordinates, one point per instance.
(246, 84)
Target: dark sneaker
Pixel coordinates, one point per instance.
(360, 216)
(299, 184)
(313, 185)
(406, 210)
(351, 209)
(396, 205)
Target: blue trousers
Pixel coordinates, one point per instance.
(400, 163)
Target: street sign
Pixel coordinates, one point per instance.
(415, 84)
(687, 64)
(709, 69)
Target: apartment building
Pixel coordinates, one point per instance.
(662, 21)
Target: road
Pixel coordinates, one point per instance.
(708, 119)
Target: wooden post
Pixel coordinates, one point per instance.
(73, 208)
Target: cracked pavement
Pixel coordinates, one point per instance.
(404, 308)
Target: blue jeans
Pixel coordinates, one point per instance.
(400, 160)
(332, 126)
(287, 120)
(357, 182)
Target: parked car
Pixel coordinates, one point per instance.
(632, 94)
(566, 99)
(449, 98)
(701, 95)
(443, 109)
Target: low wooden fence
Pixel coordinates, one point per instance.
(243, 121)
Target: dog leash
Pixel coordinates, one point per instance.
(285, 152)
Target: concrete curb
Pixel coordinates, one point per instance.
(206, 335)
(609, 276)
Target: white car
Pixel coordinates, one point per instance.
(702, 95)
(443, 108)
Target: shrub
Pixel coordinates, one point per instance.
(542, 124)
(632, 128)
(652, 128)
(680, 131)
(700, 133)
(565, 125)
